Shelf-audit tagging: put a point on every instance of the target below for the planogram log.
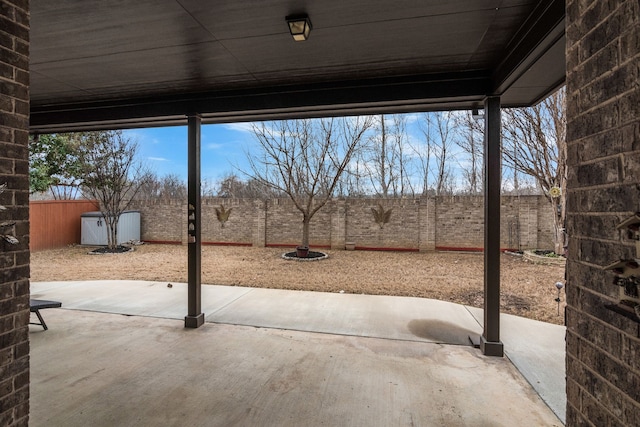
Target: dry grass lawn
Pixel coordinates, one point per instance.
(527, 289)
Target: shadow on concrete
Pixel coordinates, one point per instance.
(440, 331)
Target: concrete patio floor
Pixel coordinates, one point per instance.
(279, 358)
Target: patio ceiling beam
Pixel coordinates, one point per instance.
(195, 317)
(435, 92)
(490, 343)
(537, 35)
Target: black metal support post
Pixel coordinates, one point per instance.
(490, 340)
(195, 317)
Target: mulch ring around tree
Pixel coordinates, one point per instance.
(104, 250)
(311, 256)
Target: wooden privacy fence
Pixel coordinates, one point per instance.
(56, 223)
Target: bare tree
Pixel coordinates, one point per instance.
(168, 187)
(353, 181)
(232, 186)
(209, 187)
(304, 159)
(534, 142)
(400, 140)
(110, 174)
(435, 152)
(423, 151)
(470, 137)
(384, 160)
(173, 188)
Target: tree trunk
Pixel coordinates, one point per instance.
(112, 232)
(558, 225)
(305, 231)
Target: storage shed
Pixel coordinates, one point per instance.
(94, 228)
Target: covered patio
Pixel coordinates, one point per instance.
(116, 355)
(96, 66)
(71, 65)
(180, 62)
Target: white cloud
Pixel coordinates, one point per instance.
(412, 118)
(142, 137)
(240, 127)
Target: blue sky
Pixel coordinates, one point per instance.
(164, 150)
(224, 146)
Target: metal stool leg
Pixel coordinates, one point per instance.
(44, 325)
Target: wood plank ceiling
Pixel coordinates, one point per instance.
(97, 64)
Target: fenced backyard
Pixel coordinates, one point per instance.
(527, 289)
(415, 224)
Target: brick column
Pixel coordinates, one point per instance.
(338, 223)
(14, 169)
(427, 224)
(260, 223)
(184, 237)
(603, 136)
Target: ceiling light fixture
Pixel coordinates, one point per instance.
(299, 27)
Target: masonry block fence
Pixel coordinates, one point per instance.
(416, 224)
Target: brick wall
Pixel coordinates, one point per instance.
(162, 221)
(603, 134)
(526, 222)
(14, 168)
(460, 222)
(416, 224)
(284, 224)
(238, 229)
(402, 231)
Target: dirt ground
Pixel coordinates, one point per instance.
(528, 289)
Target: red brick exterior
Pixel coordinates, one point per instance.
(14, 171)
(603, 134)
